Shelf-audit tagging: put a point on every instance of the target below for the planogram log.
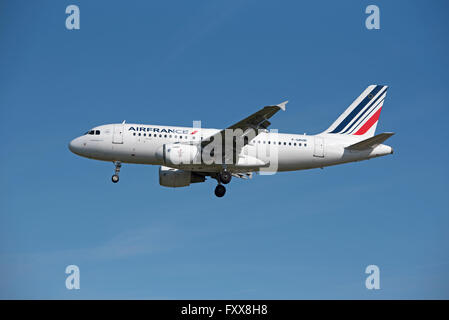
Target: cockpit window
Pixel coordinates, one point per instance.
(93, 132)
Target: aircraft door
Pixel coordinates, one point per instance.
(117, 136)
(318, 150)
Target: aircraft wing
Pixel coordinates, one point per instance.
(259, 120)
(256, 121)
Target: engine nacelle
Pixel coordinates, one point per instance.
(175, 178)
(178, 154)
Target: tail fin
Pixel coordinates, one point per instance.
(361, 117)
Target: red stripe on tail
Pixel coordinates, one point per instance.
(369, 123)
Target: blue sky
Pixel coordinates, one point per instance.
(299, 235)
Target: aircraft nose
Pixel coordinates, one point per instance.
(75, 145)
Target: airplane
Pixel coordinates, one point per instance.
(187, 155)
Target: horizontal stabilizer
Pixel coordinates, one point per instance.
(370, 142)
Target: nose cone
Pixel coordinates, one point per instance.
(76, 146)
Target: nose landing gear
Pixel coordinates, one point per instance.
(115, 177)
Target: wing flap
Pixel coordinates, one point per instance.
(245, 176)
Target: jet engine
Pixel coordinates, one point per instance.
(178, 154)
(175, 178)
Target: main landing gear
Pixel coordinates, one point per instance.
(220, 190)
(115, 177)
(223, 177)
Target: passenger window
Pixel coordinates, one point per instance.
(289, 143)
(139, 134)
(169, 136)
(165, 136)
(299, 144)
(134, 134)
(180, 137)
(305, 144)
(160, 136)
(285, 143)
(294, 144)
(280, 143)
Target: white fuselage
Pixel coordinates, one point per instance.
(136, 143)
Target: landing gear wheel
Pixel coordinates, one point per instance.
(220, 191)
(115, 178)
(225, 177)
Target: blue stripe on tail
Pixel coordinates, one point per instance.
(357, 109)
(361, 115)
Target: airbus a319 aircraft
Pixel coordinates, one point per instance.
(188, 155)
